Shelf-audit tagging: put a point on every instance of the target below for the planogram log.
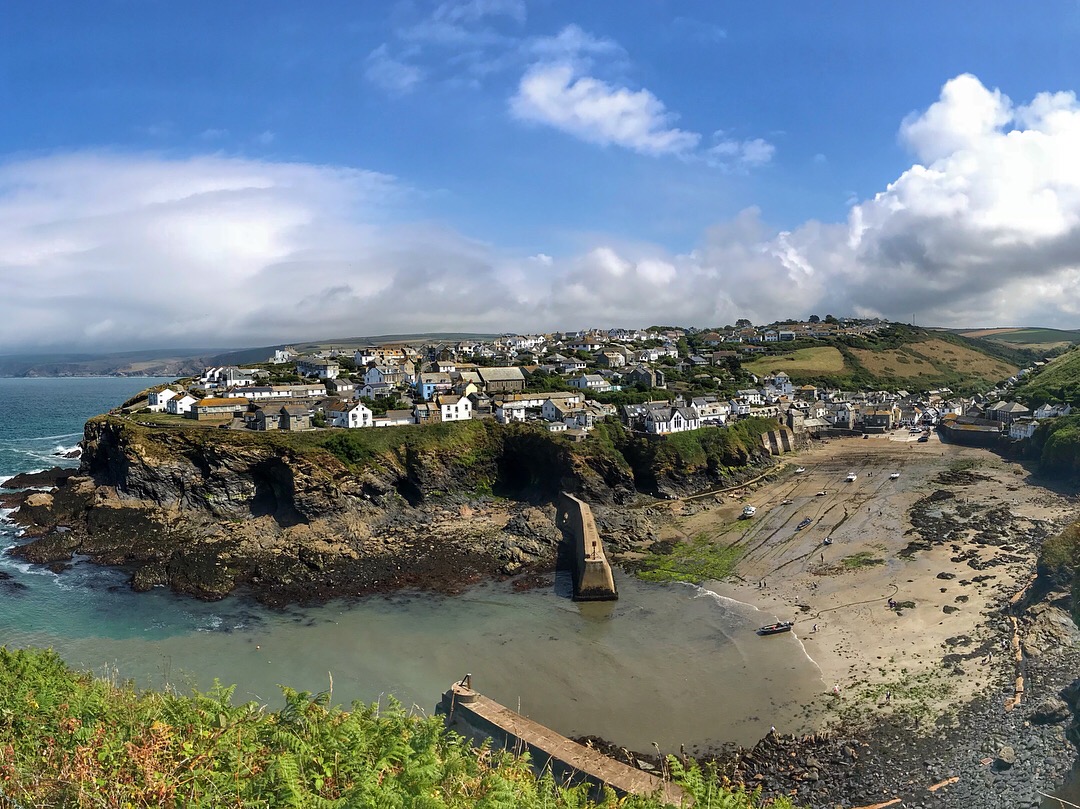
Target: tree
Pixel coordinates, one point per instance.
(318, 419)
(831, 319)
(815, 319)
(743, 323)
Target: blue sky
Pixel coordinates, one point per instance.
(497, 164)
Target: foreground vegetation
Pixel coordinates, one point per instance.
(67, 739)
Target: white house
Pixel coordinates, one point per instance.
(395, 418)
(384, 374)
(1022, 428)
(782, 382)
(317, 367)
(751, 396)
(590, 382)
(375, 390)
(711, 412)
(181, 404)
(283, 355)
(506, 412)
(348, 414)
(663, 420)
(739, 408)
(158, 399)
(453, 407)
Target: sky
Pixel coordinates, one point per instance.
(254, 173)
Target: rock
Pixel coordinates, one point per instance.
(48, 477)
(1050, 711)
(1005, 759)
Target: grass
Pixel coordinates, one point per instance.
(860, 560)
(803, 362)
(698, 560)
(1031, 336)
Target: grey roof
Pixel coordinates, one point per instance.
(510, 374)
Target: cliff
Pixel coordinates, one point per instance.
(308, 516)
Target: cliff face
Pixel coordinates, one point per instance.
(205, 510)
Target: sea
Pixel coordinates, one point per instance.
(670, 664)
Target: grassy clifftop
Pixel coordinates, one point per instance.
(897, 357)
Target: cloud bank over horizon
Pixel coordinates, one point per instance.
(109, 250)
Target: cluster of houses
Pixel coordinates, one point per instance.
(463, 380)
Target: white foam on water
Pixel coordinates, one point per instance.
(705, 592)
(214, 623)
(59, 437)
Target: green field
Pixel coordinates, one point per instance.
(1033, 338)
(802, 361)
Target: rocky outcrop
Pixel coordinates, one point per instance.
(207, 511)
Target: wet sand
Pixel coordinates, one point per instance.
(924, 659)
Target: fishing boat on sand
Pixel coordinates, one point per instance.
(806, 521)
(774, 629)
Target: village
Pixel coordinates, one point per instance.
(657, 381)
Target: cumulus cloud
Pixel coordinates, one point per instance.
(112, 251)
(597, 112)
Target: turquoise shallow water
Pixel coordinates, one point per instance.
(672, 664)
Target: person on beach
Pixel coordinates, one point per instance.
(815, 628)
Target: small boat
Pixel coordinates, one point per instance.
(800, 470)
(851, 477)
(774, 629)
(822, 493)
(827, 541)
(786, 502)
(749, 511)
(894, 476)
(806, 521)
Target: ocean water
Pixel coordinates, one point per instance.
(671, 664)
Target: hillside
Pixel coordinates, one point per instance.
(1035, 339)
(897, 357)
(1057, 382)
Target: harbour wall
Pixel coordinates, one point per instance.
(479, 718)
(593, 580)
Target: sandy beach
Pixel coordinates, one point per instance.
(949, 540)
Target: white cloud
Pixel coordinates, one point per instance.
(739, 155)
(456, 11)
(110, 251)
(389, 74)
(597, 112)
(570, 44)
